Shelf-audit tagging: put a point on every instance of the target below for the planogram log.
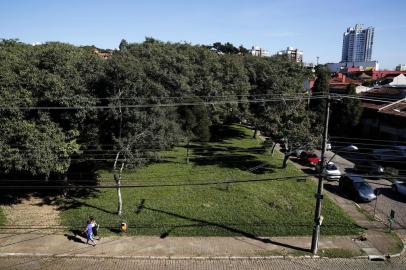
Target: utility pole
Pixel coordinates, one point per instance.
(319, 195)
(317, 60)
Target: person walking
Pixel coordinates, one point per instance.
(95, 228)
(89, 233)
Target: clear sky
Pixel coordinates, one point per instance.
(314, 26)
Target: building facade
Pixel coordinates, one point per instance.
(337, 67)
(357, 44)
(293, 55)
(260, 52)
(401, 68)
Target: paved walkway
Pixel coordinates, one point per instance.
(150, 246)
(145, 246)
(30, 263)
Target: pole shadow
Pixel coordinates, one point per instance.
(200, 223)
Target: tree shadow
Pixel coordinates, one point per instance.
(231, 157)
(244, 162)
(200, 223)
(16, 186)
(220, 133)
(73, 203)
(309, 171)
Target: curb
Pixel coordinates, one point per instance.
(65, 255)
(398, 254)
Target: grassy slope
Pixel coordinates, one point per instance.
(267, 208)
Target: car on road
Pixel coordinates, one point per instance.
(331, 172)
(369, 166)
(310, 158)
(401, 150)
(399, 187)
(396, 153)
(356, 188)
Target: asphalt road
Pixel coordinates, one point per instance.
(23, 263)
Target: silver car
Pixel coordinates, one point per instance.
(331, 172)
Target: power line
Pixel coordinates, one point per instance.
(157, 185)
(164, 105)
(161, 105)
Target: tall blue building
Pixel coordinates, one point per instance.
(357, 44)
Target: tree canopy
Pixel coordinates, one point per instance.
(58, 100)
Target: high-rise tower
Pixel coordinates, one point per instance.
(357, 44)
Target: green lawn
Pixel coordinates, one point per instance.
(180, 199)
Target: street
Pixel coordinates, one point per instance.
(386, 201)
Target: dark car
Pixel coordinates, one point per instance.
(399, 187)
(369, 166)
(356, 188)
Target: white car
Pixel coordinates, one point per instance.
(399, 187)
(332, 172)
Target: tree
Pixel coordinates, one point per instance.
(284, 119)
(135, 132)
(321, 88)
(35, 141)
(243, 50)
(123, 45)
(38, 148)
(346, 114)
(195, 122)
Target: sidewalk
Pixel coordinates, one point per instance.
(150, 246)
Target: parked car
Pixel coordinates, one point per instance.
(399, 187)
(331, 171)
(310, 158)
(356, 188)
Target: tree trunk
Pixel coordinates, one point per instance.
(120, 199)
(65, 183)
(187, 151)
(255, 132)
(117, 179)
(285, 160)
(273, 148)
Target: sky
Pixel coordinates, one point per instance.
(314, 26)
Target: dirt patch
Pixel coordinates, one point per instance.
(32, 214)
